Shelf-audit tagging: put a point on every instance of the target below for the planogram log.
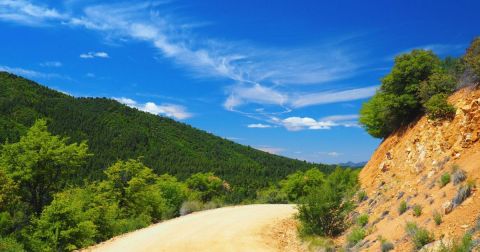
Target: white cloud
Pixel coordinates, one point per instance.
(171, 110)
(259, 126)
(301, 123)
(91, 55)
(51, 64)
(340, 118)
(333, 96)
(333, 154)
(295, 123)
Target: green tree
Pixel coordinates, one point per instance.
(472, 58)
(174, 192)
(135, 187)
(207, 185)
(414, 79)
(67, 223)
(298, 184)
(41, 164)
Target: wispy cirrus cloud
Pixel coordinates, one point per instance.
(26, 13)
(29, 73)
(171, 110)
(259, 75)
(51, 64)
(259, 126)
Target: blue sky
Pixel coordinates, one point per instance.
(287, 77)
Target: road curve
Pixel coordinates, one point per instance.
(238, 228)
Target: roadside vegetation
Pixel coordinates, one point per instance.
(419, 83)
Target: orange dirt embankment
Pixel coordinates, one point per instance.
(408, 165)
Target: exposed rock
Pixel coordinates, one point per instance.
(383, 167)
(435, 246)
(400, 194)
(447, 207)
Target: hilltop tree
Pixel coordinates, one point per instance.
(41, 164)
(415, 78)
(472, 58)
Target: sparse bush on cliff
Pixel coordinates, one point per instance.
(357, 234)
(417, 210)
(437, 218)
(472, 59)
(437, 107)
(444, 179)
(402, 208)
(420, 236)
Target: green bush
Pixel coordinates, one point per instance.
(419, 236)
(437, 107)
(297, 185)
(402, 208)
(472, 58)
(437, 83)
(417, 210)
(361, 196)
(386, 246)
(357, 234)
(207, 185)
(444, 179)
(458, 175)
(362, 220)
(325, 208)
(8, 244)
(437, 217)
(272, 195)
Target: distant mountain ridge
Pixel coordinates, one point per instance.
(115, 131)
(353, 164)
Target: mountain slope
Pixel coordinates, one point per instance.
(115, 131)
(408, 165)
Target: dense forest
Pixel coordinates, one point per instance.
(114, 132)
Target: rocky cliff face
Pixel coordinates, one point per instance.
(408, 165)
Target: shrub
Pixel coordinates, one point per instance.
(362, 220)
(190, 207)
(361, 196)
(386, 246)
(437, 217)
(462, 194)
(472, 58)
(419, 236)
(464, 245)
(325, 208)
(458, 175)
(438, 83)
(444, 179)
(272, 195)
(357, 234)
(437, 107)
(417, 210)
(8, 244)
(403, 207)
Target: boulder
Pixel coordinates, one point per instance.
(447, 207)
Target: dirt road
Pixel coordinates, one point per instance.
(240, 228)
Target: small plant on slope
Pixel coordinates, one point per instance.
(403, 207)
(419, 236)
(437, 217)
(445, 179)
(357, 234)
(417, 210)
(362, 220)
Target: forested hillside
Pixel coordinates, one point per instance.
(114, 132)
